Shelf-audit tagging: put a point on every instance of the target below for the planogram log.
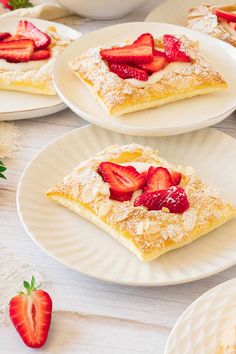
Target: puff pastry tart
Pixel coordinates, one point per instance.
(145, 203)
(218, 22)
(27, 58)
(146, 73)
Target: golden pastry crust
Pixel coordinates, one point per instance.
(120, 96)
(148, 234)
(227, 343)
(36, 81)
(202, 19)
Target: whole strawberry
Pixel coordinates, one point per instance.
(30, 312)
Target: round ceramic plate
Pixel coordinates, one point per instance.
(175, 118)
(176, 11)
(84, 247)
(19, 105)
(201, 326)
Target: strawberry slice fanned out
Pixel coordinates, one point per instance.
(4, 35)
(226, 15)
(145, 39)
(30, 313)
(17, 51)
(133, 54)
(173, 49)
(158, 63)
(121, 178)
(173, 198)
(125, 71)
(176, 177)
(120, 196)
(40, 54)
(6, 4)
(158, 178)
(28, 30)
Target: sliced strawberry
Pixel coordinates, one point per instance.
(4, 35)
(176, 177)
(233, 25)
(229, 16)
(120, 196)
(127, 71)
(173, 49)
(6, 4)
(40, 54)
(16, 51)
(130, 54)
(145, 39)
(158, 63)
(145, 175)
(30, 313)
(28, 30)
(121, 178)
(173, 198)
(158, 179)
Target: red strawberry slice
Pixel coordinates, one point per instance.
(233, 25)
(145, 39)
(159, 178)
(173, 49)
(229, 16)
(120, 196)
(131, 54)
(28, 30)
(173, 198)
(40, 54)
(30, 313)
(127, 72)
(158, 63)
(16, 51)
(4, 35)
(6, 4)
(176, 177)
(121, 178)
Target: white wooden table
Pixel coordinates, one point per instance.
(91, 316)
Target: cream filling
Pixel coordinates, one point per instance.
(228, 337)
(172, 67)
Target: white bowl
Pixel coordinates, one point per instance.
(101, 9)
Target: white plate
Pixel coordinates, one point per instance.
(175, 118)
(200, 327)
(84, 247)
(176, 11)
(19, 105)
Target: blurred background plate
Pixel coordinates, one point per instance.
(19, 105)
(200, 327)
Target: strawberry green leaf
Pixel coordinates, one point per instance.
(18, 4)
(2, 169)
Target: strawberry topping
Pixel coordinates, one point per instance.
(176, 177)
(229, 16)
(30, 313)
(233, 25)
(28, 30)
(40, 54)
(127, 71)
(158, 63)
(120, 196)
(131, 54)
(145, 39)
(6, 4)
(121, 178)
(4, 35)
(173, 49)
(16, 51)
(158, 178)
(173, 198)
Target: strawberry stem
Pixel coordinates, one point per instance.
(29, 286)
